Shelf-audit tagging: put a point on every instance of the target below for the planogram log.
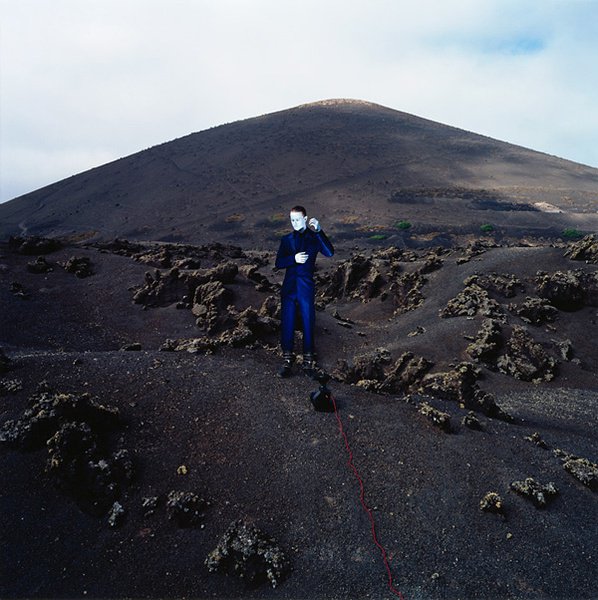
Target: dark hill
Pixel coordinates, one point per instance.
(358, 166)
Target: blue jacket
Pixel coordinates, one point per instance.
(299, 279)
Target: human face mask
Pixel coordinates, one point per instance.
(298, 221)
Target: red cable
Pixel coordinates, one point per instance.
(367, 509)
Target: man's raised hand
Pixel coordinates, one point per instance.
(313, 222)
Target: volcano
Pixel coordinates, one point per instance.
(356, 164)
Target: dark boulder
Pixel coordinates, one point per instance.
(40, 266)
(472, 301)
(506, 286)
(250, 554)
(438, 418)
(187, 509)
(487, 343)
(33, 245)
(525, 359)
(539, 494)
(535, 311)
(570, 290)
(79, 266)
(585, 249)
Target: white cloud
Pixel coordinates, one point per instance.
(95, 80)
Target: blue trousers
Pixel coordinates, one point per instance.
(290, 304)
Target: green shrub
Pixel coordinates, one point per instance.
(487, 228)
(378, 236)
(403, 225)
(571, 234)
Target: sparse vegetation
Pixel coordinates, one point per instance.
(403, 225)
(571, 233)
(378, 237)
(487, 228)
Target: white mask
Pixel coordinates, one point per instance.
(298, 221)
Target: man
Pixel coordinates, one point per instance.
(297, 254)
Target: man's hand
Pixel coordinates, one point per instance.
(315, 224)
(301, 257)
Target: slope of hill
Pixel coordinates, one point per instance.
(359, 166)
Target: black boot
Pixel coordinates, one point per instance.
(309, 365)
(287, 365)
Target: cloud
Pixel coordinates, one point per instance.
(91, 81)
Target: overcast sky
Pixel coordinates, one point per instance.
(84, 82)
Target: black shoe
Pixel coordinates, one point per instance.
(287, 366)
(309, 366)
(285, 371)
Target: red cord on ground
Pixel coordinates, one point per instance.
(367, 509)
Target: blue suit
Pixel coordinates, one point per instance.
(298, 287)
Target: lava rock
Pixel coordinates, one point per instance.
(460, 385)
(158, 257)
(262, 283)
(407, 371)
(473, 300)
(585, 249)
(506, 286)
(134, 347)
(440, 419)
(493, 503)
(187, 509)
(150, 505)
(565, 348)
(485, 403)
(161, 289)
(487, 344)
(270, 308)
(432, 261)
(40, 266)
(210, 301)
(472, 422)
(75, 431)
(356, 278)
(10, 386)
(18, 290)
(536, 438)
(584, 470)
(201, 345)
(33, 245)
(365, 367)
(535, 311)
(525, 359)
(569, 291)
(79, 266)
(250, 554)
(71, 449)
(538, 493)
(475, 248)
(49, 411)
(82, 469)
(224, 273)
(248, 329)
(405, 291)
(116, 515)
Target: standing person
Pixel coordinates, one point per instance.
(297, 254)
